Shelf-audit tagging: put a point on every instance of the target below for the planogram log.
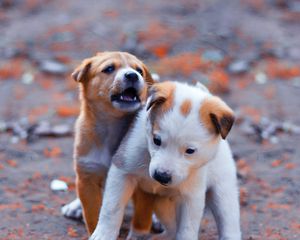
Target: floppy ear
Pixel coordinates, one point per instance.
(217, 116)
(81, 73)
(160, 93)
(148, 77)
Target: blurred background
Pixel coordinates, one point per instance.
(246, 51)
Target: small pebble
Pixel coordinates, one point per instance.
(27, 78)
(261, 78)
(53, 67)
(58, 185)
(239, 66)
(213, 56)
(274, 140)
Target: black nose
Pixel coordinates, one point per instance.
(162, 177)
(131, 76)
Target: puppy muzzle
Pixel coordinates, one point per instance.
(163, 177)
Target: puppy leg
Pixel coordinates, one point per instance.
(118, 190)
(224, 204)
(191, 206)
(165, 210)
(143, 208)
(90, 194)
(72, 210)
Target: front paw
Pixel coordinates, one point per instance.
(72, 210)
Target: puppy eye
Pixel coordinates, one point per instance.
(190, 151)
(109, 69)
(140, 71)
(157, 140)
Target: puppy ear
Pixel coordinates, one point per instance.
(161, 93)
(154, 99)
(217, 116)
(81, 73)
(148, 77)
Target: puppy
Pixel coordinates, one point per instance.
(112, 86)
(176, 150)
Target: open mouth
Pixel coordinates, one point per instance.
(129, 95)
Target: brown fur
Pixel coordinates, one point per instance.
(162, 98)
(96, 111)
(89, 190)
(186, 107)
(216, 116)
(143, 206)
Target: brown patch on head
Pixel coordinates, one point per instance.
(162, 95)
(186, 107)
(216, 116)
(161, 99)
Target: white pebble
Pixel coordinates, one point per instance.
(58, 185)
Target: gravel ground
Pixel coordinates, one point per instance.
(246, 51)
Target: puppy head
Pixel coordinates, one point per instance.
(184, 127)
(117, 79)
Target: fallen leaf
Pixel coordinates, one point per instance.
(276, 163)
(278, 206)
(38, 207)
(290, 166)
(52, 152)
(219, 81)
(67, 111)
(72, 232)
(10, 206)
(12, 163)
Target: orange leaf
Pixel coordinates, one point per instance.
(10, 206)
(12, 163)
(38, 207)
(219, 81)
(290, 166)
(72, 232)
(276, 163)
(52, 153)
(67, 111)
(161, 50)
(279, 206)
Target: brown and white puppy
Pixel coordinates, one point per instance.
(176, 150)
(112, 87)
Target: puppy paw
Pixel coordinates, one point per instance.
(72, 210)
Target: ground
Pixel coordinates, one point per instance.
(247, 52)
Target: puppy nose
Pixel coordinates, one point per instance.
(162, 177)
(131, 76)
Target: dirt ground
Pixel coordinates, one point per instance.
(246, 51)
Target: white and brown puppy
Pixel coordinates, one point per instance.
(176, 151)
(113, 86)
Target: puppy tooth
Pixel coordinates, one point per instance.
(121, 97)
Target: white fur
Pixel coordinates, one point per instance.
(73, 209)
(179, 206)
